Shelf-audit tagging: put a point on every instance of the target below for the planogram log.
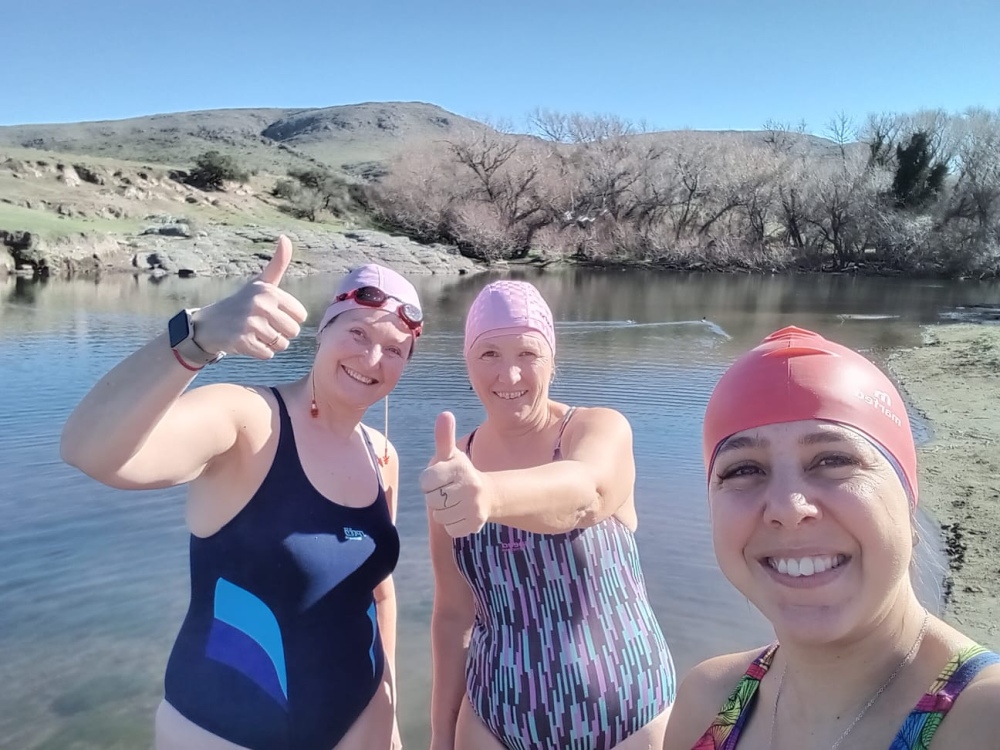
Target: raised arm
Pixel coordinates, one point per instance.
(451, 625)
(595, 478)
(137, 428)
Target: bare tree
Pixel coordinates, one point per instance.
(842, 131)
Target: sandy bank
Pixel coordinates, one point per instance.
(954, 380)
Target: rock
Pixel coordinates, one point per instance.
(24, 247)
(169, 230)
(113, 212)
(67, 175)
(88, 175)
(173, 260)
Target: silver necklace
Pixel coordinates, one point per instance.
(871, 701)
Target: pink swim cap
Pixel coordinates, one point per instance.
(395, 286)
(796, 374)
(506, 307)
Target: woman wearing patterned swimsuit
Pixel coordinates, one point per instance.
(812, 485)
(289, 639)
(532, 541)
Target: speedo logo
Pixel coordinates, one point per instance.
(881, 401)
(350, 533)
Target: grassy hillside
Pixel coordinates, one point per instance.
(267, 140)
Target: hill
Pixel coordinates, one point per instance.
(348, 137)
(268, 140)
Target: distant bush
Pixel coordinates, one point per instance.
(310, 192)
(213, 169)
(285, 189)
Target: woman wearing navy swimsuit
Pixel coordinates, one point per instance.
(543, 636)
(289, 639)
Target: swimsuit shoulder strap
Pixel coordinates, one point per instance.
(374, 456)
(920, 726)
(557, 452)
(725, 730)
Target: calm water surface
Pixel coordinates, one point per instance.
(93, 581)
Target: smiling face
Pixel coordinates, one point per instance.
(812, 524)
(361, 357)
(511, 375)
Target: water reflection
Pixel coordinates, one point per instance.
(94, 581)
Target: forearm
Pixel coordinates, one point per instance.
(123, 408)
(386, 616)
(449, 646)
(548, 499)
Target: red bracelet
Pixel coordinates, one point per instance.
(184, 364)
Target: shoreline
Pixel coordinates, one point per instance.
(953, 380)
(219, 251)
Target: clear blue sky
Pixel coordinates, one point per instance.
(707, 64)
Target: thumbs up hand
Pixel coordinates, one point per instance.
(458, 495)
(259, 320)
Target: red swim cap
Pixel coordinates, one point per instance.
(796, 374)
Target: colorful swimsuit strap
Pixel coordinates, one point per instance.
(916, 732)
(725, 731)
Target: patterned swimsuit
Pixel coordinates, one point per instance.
(566, 653)
(916, 732)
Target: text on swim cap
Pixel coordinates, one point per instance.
(881, 401)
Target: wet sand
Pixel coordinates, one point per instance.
(953, 379)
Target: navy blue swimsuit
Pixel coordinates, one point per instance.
(280, 648)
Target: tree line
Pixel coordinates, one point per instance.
(909, 193)
(898, 193)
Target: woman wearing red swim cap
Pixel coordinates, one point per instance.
(812, 487)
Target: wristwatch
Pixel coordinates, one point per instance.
(181, 330)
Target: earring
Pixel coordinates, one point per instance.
(313, 409)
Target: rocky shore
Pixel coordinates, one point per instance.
(167, 246)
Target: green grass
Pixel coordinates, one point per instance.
(51, 226)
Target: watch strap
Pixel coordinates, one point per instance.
(189, 348)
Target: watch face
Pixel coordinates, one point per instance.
(178, 328)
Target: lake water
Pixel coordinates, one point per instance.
(93, 581)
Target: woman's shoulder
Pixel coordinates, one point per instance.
(702, 694)
(596, 418)
(974, 717)
(253, 409)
